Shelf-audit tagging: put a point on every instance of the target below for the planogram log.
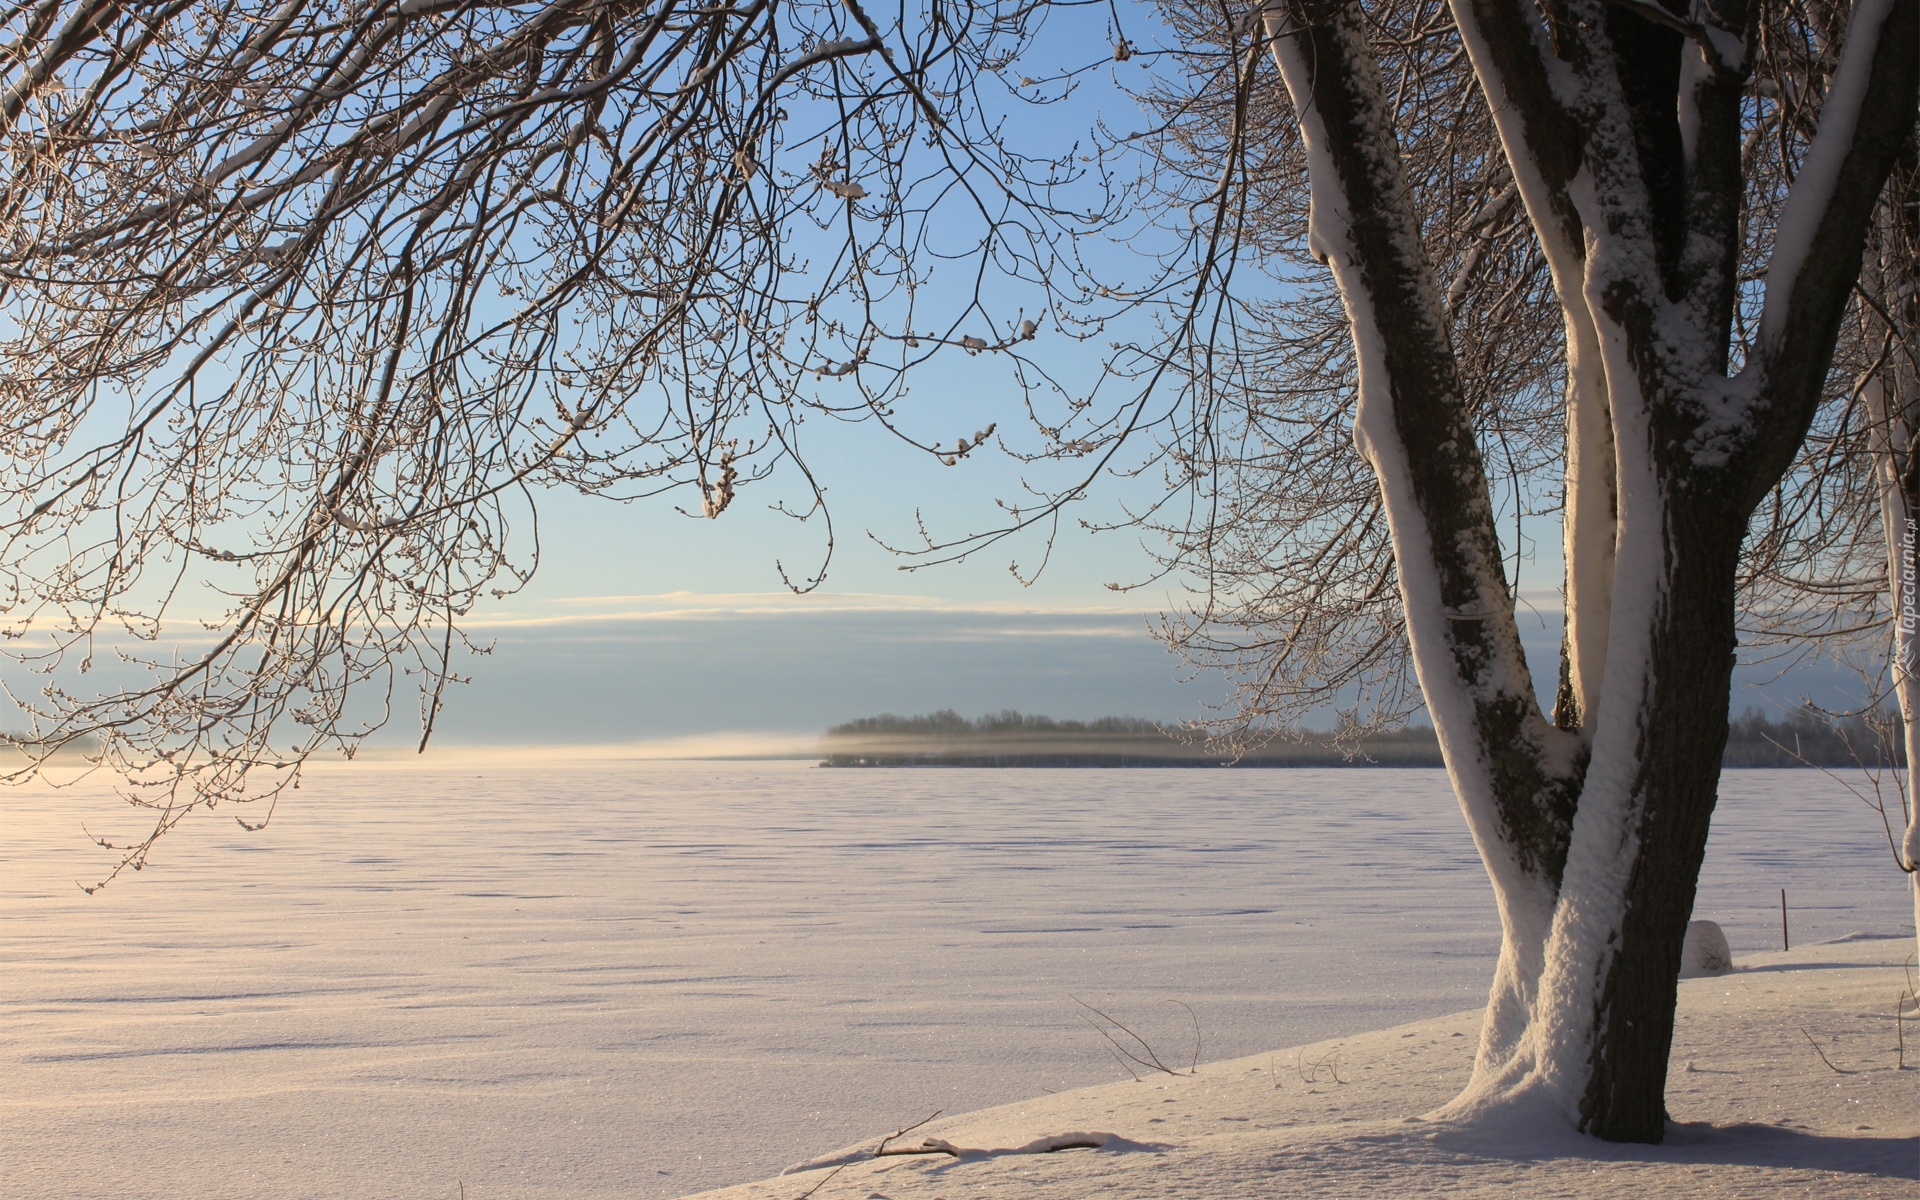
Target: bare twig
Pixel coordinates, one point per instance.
(1310, 1072)
(1823, 1054)
(882, 1147)
(1040, 1145)
(823, 1182)
(1117, 1057)
(1900, 1029)
(1196, 1033)
(1119, 1048)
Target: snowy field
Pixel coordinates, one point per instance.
(644, 980)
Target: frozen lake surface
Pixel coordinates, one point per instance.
(643, 980)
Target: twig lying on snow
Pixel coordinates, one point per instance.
(1823, 1054)
(882, 1147)
(1044, 1145)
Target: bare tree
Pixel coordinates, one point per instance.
(1695, 190)
(1691, 381)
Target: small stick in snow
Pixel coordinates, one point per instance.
(1118, 1048)
(1194, 1069)
(1041, 1145)
(1310, 1072)
(882, 1147)
(1823, 1054)
(816, 1187)
(1900, 1030)
(1124, 1064)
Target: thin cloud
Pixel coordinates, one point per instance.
(733, 745)
(692, 606)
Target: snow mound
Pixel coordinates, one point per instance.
(1705, 951)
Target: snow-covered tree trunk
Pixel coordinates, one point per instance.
(1890, 392)
(1514, 773)
(1897, 471)
(1622, 123)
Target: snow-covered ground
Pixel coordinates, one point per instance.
(1787, 1084)
(642, 980)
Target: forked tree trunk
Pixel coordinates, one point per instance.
(1624, 136)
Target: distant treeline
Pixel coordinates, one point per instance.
(1805, 738)
(1014, 739)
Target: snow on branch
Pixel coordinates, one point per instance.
(1817, 187)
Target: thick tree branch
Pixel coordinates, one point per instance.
(1510, 55)
(1414, 425)
(1869, 113)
